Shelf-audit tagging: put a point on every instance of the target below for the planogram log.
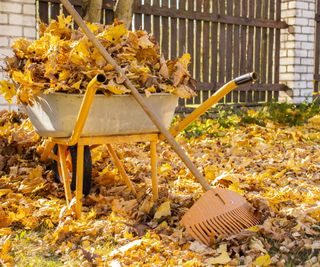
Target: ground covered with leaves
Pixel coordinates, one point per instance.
(275, 166)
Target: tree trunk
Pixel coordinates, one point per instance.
(123, 11)
(92, 10)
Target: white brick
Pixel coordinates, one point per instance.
(284, 5)
(296, 29)
(310, 53)
(6, 52)
(301, 21)
(311, 22)
(10, 7)
(310, 69)
(300, 84)
(29, 32)
(301, 37)
(307, 61)
(300, 69)
(301, 53)
(300, 99)
(306, 92)
(311, 38)
(290, 61)
(290, 69)
(283, 53)
(15, 19)
(307, 30)
(290, 76)
(4, 41)
(307, 45)
(291, 37)
(290, 84)
(290, 44)
(291, 53)
(9, 30)
(289, 13)
(3, 18)
(29, 9)
(309, 84)
(307, 76)
(291, 21)
(283, 69)
(308, 14)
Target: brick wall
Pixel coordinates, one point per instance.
(17, 19)
(297, 48)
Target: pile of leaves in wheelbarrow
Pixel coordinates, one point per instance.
(64, 60)
(275, 166)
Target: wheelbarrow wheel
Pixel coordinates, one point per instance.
(87, 168)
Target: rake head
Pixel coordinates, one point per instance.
(219, 212)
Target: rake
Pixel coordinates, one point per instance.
(218, 211)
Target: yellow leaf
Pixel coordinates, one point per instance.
(6, 246)
(263, 260)
(223, 258)
(236, 188)
(163, 210)
(144, 42)
(253, 228)
(77, 85)
(185, 60)
(8, 90)
(5, 231)
(256, 244)
(20, 47)
(4, 191)
(117, 89)
(64, 75)
(114, 33)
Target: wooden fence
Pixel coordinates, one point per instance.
(317, 52)
(225, 38)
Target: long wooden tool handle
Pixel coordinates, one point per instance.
(154, 118)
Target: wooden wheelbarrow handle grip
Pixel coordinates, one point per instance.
(154, 118)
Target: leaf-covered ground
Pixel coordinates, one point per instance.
(275, 166)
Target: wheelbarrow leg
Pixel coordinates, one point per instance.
(47, 150)
(121, 169)
(154, 177)
(62, 149)
(79, 180)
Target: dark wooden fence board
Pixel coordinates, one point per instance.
(225, 38)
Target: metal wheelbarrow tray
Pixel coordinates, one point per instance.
(55, 114)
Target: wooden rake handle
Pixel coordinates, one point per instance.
(154, 118)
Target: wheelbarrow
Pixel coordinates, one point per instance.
(217, 212)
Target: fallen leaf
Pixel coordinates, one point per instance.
(223, 258)
(164, 210)
(263, 260)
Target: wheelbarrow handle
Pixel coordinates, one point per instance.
(249, 77)
(205, 106)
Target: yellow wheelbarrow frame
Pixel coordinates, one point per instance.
(153, 138)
